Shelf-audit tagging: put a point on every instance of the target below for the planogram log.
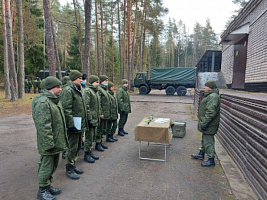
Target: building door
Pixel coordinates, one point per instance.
(240, 62)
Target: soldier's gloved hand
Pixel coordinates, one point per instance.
(123, 112)
(203, 128)
(90, 124)
(110, 120)
(72, 129)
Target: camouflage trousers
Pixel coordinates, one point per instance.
(111, 127)
(47, 166)
(101, 130)
(90, 138)
(208, 145)
(123, 120)
(75, 142)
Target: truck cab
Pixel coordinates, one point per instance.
(141, 81)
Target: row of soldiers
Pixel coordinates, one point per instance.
(63, 115)
(36, 83)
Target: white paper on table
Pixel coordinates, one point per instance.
(77, 123)
(161, 120)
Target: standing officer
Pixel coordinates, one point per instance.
(124, 106)
(26, 84)
(34, 83)
(208, 124)
(39, 84)
(29, 85)
(48, 116)
(92, 102)
(74, 109)
(105, 112)
(112, 122)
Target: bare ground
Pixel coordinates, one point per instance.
(119, 174)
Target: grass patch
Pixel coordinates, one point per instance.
(21, 106)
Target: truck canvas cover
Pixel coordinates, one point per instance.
(178, 75)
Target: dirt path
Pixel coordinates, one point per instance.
(119, 174)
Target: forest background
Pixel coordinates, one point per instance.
(113, 37)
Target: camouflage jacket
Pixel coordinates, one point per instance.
(34, 83)
(104, 101)
(123, 99)
(92, 102)
(48, 116)
(113, 105)
(73, 105)
(209, 112)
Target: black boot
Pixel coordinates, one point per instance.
(104, 146)
(54, 191)
(99, 147)
(71, 173)
(115, 139)
(63, 154)
(125, 133)
(94, 156)
(199, 156)
(88, 158)
(120, 132)
(44, 194)
(209, 163)
(109, 139)
(77, 171)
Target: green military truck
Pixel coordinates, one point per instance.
(169, 79)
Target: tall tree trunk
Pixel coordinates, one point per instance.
(49, 38)
(129, 14)
(21, 73)
(141, 38)
(112, 43)
(78, 25)
(11, 59)
(56, 50)
(102, 38)
(124, 40)
(87, 10)
(6, 71)
(119, 28)
(97, 40)
(134, 36)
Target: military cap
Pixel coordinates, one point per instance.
(211, 84)
(65, 79)
(93, 79)
(102, 78)
(124, 81)
(51, 82)
(84, 76)
(110, 84)
(74, 74)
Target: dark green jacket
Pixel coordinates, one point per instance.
(34, 83)
(113, 106)
(209, 112)
(73, 105)
(48, 116)
(123, 99)
(104, 101)
(92, 102)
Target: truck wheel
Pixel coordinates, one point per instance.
(181, 91)
(143, 90)
(170, 90)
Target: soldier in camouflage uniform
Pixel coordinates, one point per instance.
(26, 84)
(208, 124)
(92, 102)
(105, 114)
(29, 85)
(112, 122)
(48, 116)
(124, 106)
(73, 105)
(34, 83)
(39, 84)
